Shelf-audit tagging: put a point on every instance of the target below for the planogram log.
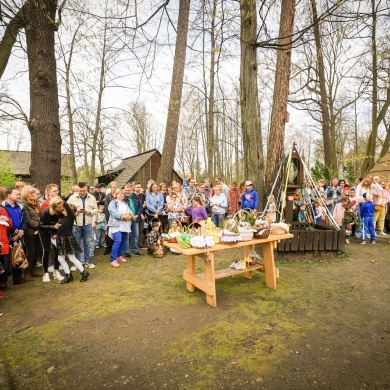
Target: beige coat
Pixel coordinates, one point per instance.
(90, 205)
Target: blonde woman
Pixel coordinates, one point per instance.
(34, 251)
(119, 227)
(63, 217)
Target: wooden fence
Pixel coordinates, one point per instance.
(322, 238)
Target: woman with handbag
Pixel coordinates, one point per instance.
(154, 202)
(119, 227)
(34, 250)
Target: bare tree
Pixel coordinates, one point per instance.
(169, 149)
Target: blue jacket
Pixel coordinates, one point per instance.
(250, 200)
(154, 202)
(367, 209)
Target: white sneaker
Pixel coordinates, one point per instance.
(39, 264)
(73, 268)
(89, 265)
(46, 277)
(58, 276)
(382, 234)
(51, 268)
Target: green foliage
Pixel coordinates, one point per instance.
(321, 171)
(66, 185)
(7, 177)
(349, 172)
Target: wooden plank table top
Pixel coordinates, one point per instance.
(206, 281)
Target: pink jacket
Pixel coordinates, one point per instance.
(338, 213)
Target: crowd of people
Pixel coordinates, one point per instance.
(47, 230)
(361, 209)
(50, 229)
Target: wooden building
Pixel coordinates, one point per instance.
(141, 168)
(21, 161)
(382, 167)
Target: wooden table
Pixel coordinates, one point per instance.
(206, 280)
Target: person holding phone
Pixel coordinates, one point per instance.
(86, 206)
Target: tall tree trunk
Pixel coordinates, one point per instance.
(169, 149)
(97, 129)
(210, 129)
(44, 124)
(323, 93)
(281, 91)
(369, 161)
(250, 120)
(69, 108)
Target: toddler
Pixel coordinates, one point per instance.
(318, 212)
(100, 228)
(271, 212)
(175, 228)
(350, 219)
(153, 238)
(367, 209)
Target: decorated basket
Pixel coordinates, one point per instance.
(279, 228)
(229, 237)
(262, 233)
(246, 234)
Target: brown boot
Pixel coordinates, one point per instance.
(28, 277)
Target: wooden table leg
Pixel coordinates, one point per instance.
(190, 269)
(211, 299)
(247, 249)
(269, 265)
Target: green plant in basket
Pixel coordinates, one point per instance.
(244, 217)
(230, 224)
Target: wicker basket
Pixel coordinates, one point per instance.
(279, 228)
(246, 235)
(226, 238)
(263, 233)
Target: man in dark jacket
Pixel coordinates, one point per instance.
(19, 224)
(98, 194)
(138, 219)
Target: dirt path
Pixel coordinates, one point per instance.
(327, 326)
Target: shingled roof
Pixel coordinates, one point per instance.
(131, 165)
(382, 167)
(21, 161)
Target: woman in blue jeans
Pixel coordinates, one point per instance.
(218, 203)
(119, 227)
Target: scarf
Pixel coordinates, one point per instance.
(34, 205)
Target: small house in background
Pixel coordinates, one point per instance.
(141, 168)
(21, 161)
(382, 167)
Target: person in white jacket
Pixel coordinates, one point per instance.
(218, 204)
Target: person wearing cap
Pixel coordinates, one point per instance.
(250, 197)
(367, 209)
(98, 194)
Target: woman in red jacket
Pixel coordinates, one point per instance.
(5, 226)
